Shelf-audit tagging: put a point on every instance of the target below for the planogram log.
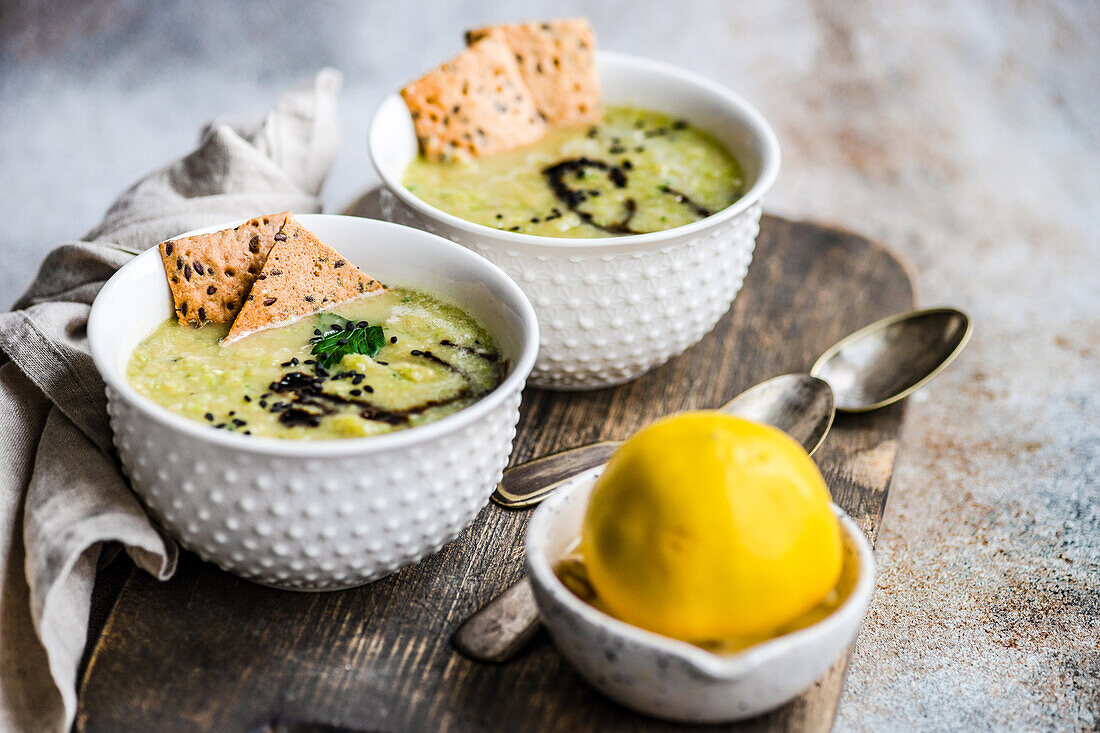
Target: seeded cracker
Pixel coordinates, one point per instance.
(210, 274)
(301, 276)
(558, 61)
(475, 105)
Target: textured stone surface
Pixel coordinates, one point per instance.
(962, 135)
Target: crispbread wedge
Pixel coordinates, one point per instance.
(302, 275)
(476, 104)
(558, 61)
(210, 274)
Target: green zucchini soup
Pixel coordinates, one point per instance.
(384, 362)
(637, 171)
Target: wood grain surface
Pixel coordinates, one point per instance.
(207, 651)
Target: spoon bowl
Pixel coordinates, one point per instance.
(892, 358)
(800, 405)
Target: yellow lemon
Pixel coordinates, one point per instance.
(705, 526)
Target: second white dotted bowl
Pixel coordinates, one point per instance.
(611, 309)
(319, 515)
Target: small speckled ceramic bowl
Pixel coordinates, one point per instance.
(319, 515)
(672, 679)
(598, 299)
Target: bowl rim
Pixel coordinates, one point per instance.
(754, 121)
(717, 666)
(416, 435)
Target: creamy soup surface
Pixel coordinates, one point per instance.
(435, 360)
(637, 171)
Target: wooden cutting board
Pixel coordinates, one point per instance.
(208, 651)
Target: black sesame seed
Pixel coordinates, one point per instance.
(368, 388)
(220, 425)
(500, 216)
(393, 339)
(416, 352)
(232, 413)
(309, 361)
(263, 403)
(381, 363)
(316, 332)
(209, 417)
(356, 392)
(342, 342)
(247, 398)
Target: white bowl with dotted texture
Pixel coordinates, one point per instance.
(672, 679)
(611, 309)
(319, 515)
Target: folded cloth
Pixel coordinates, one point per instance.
(62, 494)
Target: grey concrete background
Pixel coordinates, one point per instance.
(963, 135)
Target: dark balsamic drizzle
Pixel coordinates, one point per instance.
(491, 357)
(441, 362)
(573, 198)
(309, 403)
(401, 417)
(686, 200)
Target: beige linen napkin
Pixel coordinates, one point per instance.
(62, 495)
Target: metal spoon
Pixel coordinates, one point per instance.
(892, 358)
(798, 404)
(874, 367)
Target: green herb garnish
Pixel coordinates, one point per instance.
(340, 337)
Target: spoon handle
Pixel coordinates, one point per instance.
(529, 483)
(502, 627)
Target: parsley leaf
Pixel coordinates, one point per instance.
(339, 337)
